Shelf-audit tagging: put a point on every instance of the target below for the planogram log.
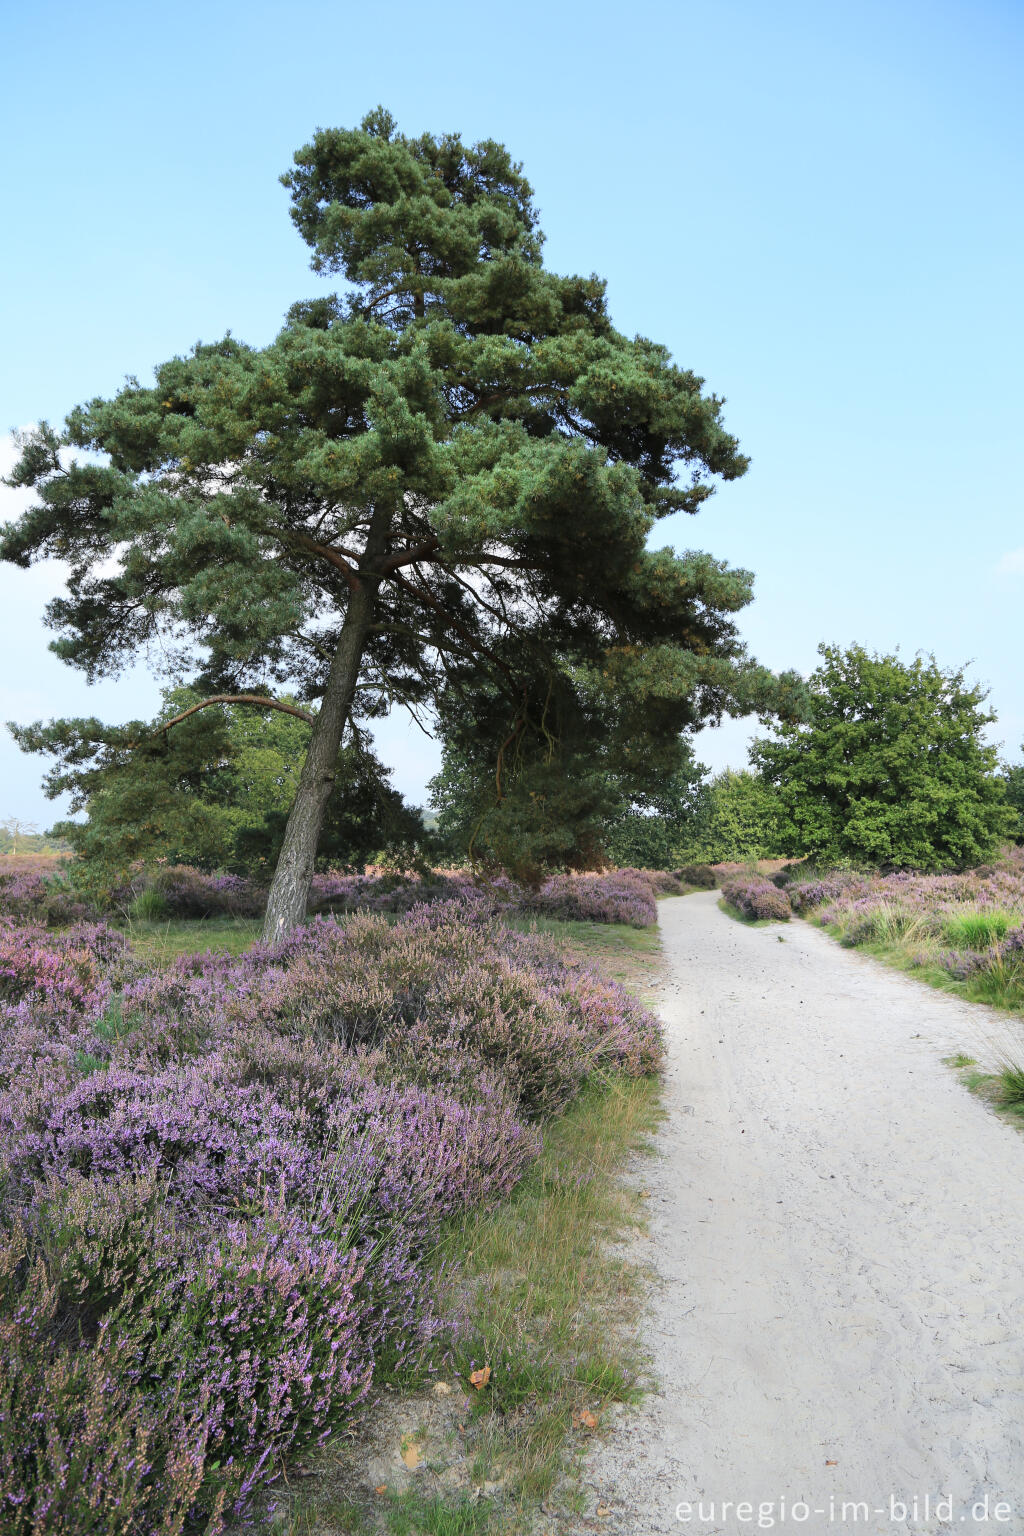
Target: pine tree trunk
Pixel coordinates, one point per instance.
(289, 891)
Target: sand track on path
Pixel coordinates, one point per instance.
(837, 1228)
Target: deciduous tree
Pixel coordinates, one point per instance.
(891, 767)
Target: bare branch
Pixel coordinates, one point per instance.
(476, 646)
(408, 556)
(332, 556)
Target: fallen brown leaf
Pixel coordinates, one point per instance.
(602, 1511)
(587, 1419)
(831, 1463)
(381, 1488)
(480, 1378)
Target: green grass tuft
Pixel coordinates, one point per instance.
(977, 930)
(148, 907)
(412, 1514)
(545, 1289)
(1010, 1087)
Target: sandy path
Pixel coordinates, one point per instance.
(838, 1232)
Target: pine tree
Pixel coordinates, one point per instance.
(441, 482)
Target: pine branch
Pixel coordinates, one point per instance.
(260, 700)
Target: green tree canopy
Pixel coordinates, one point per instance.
(890, 768)
(1013, 780)
(436, 489)
(578, 808)
(735, 818)
(210, 787)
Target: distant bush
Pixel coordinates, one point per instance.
(620, 896)
(887, 765)
(757, 898)
(662, 881)
(40, 896)
(181, 892)
(623, 896)
(188, 892)
(701, 876)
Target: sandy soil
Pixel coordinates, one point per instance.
(837, 1228)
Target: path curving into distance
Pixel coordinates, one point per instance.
(837, 1228)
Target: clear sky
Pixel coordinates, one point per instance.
(816, 206)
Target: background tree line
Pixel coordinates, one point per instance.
(888, 767)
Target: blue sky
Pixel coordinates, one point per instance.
(817, 207)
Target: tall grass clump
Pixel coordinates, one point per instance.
(223, 1184)
(976, 929)
(1010, 1086)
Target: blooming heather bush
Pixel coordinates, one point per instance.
(970, 925)
(179, 891)
(757, 898)
(220, 1184)
(623, 896)
(190, 893)
(392, 893)
(32, 896)
(213, 1357)
(661, 881)
(805, 895)
(61, 973)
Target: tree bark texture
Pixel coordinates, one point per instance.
(289, 891)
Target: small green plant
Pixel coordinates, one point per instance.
(960, 1060)
(113, 1025)
(149, 906)
(1010, 1086)
(86, 1063)
(413, 1514)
